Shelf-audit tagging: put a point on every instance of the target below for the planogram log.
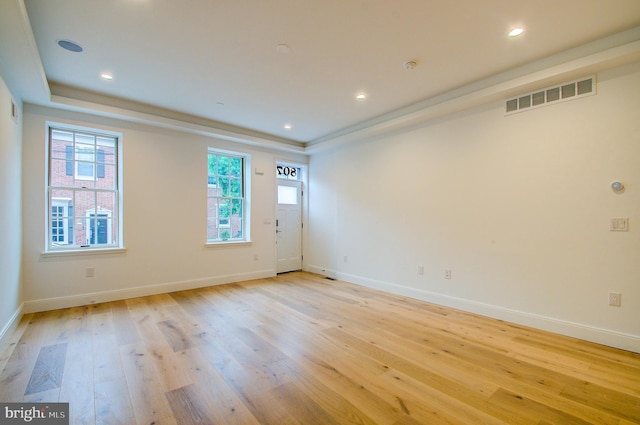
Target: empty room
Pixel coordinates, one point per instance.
(320, 212)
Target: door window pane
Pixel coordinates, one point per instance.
(287, 195)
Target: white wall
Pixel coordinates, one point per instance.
(164, 218)
(10, 212)
(517, 207)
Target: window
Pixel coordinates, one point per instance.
(83, 190)
(227, 219)
(287, 195)
(289, 172)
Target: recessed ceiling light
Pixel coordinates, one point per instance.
(70, 46)
(288, 126)
(106, 76)
(516, 32)
(361, 96)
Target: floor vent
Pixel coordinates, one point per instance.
(550, 95)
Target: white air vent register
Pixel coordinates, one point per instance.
(551, 95)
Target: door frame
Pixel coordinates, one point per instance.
(303, 178)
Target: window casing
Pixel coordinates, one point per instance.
(227, 215)
(83, 189)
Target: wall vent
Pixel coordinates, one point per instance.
(550, 95)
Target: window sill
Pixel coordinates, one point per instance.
(227, 244)
(82, 252)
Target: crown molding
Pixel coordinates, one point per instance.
(613, 51)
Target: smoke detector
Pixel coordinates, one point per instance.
(408, 65)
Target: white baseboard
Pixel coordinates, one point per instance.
(576, 330)
(141, 291)
(10, 326)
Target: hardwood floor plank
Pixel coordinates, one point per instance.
(472, 396)
(301, 349)
(496, 367)
(13, 340)
(168, 369)
(145, 390)
(188, 407)
(622, 405)
(47, 372)
(326, 396)
(33, 338)
(52, 395)
(225, 406)
(107, 365)
(462, 364)
(363, 395)
(159, 307)
(191, 302)
(111, 403)
(123, 324)
(144, 322)
(111, 394)
(296, 320)
(530, 411)
(321, 364)
(14, 380)
(429, 404)
(407, 420)
(175, 336)
(77, 387)
(251, 386)
(301, 407)
(311, 311)
(258, 347)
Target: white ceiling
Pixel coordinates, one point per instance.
(217, 59)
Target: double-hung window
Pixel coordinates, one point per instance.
(83, 189)
(227, 217)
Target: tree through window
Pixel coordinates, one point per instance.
(226, 197)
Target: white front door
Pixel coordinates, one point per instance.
(289, 226)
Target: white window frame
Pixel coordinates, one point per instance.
(116, 216)
(246, 199)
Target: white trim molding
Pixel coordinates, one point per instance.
(46, 304)
(10, 327)
(594, 334)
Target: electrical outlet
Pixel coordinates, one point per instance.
(90, 272)
(619, 224)
(420, 270)
(614, 299)
(345, 259)
(447, 274)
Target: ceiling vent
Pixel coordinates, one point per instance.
(551, 95)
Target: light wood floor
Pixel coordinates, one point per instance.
(301, 349)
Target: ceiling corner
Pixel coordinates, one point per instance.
(20, 63)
